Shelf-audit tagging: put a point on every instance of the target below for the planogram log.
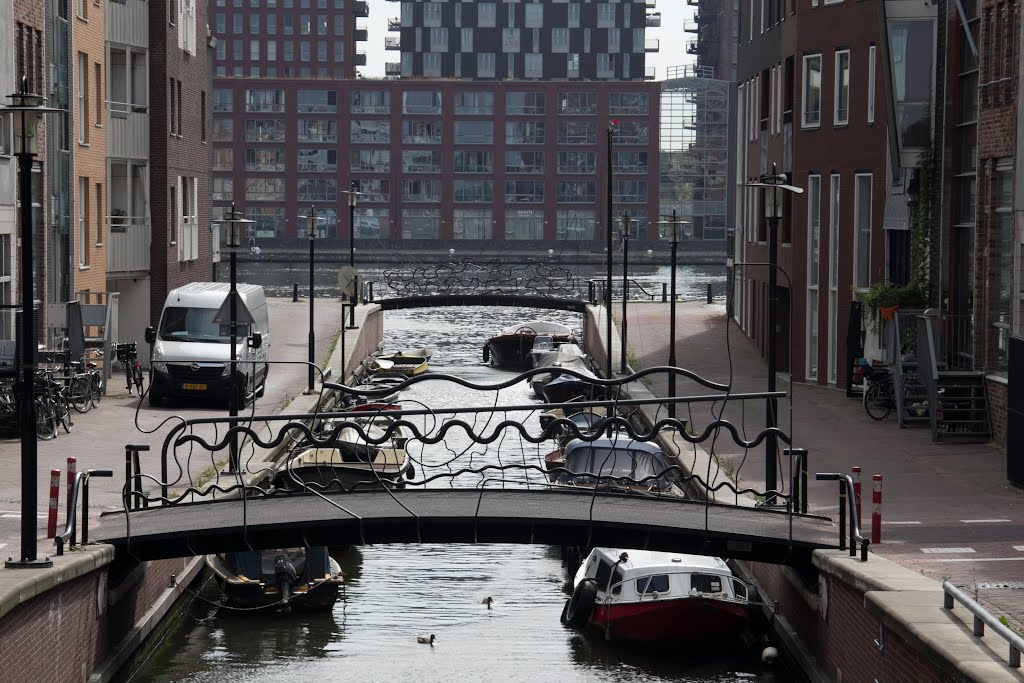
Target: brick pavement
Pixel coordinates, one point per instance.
(929, 488)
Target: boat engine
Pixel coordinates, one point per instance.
(285, 576)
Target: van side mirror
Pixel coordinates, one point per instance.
(150, 335)
(256, 340)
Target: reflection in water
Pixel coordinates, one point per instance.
(395, 593)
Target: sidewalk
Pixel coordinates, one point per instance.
(948, 510)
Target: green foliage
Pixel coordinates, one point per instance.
(886, 295)
(924, 214)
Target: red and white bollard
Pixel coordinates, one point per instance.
(51, 518)
(856, 497)
(72, 468)
(876, 509)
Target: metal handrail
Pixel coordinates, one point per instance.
(846, 493)
(981, 618)
(81, 483)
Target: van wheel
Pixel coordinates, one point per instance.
(156, 399)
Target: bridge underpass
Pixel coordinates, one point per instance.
(468, 516)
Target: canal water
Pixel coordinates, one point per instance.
(395, 593)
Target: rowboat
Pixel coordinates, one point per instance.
(402, 363)
(511, 347)
(305, 579)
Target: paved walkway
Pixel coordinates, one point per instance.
(948, 510)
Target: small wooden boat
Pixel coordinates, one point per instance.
(567, 354)
(642, 595)
(511, 347)
(565, 387)
(584, 422)
(402, 363)
(304, 579)
(348, 461)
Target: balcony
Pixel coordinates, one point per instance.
(394, 24)
(693, 3)
(127, 131)
(691, 27)
(654, 20)
(694, 47)
(128, 240)
(359, 59)
(652, 45)
(649, 73)
(361, 8)
(392, 43)
(393, 69)
(360, 35)
(651, 4)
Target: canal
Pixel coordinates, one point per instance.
(395, 593)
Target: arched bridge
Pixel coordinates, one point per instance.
(546, 516)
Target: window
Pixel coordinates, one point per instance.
(223, 189)
(370, 102)
(630, 163)
(474, 190)
(524, 224)
(188, 229)
(871, 84)
(318, 189)
(510, 40)
(83, 98)
(83, 222)
(317, 101)
(534, 65)
(223, 159)
(223, 130)
(485, 64)
(370, 160)
(317, 160)
(420, 161)
(421, 132)
(524, 191)
(97, 85)
(421, 102)
(421, 224)
(474, 162)
(524, 103)
(833, 276)
(318, 130)
(473, 224)
(466, 40)
(560, 40)
(524, 132)
(524, 162)
(487, 14)
(842, 95)
(431, 14)
(628, 104)
(630, 192)
(372, 223)
(373, 190)
(630, 133)
(534, 16)
(862, 234)
(577, 191)
(812, 91)
(577, 133)
(577, 103)
(1005, 243)
(911, 44)
(474, 102)
(264, 130)
(572, 65)
(370, 131)
(432, 64)
(99, 214)
(575, 224)
(813, 266)
(474, 132)
(605, 15)
(581, 163)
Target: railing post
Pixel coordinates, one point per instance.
(85, 509)
(295, 292)
(876, 511)
(664, 292)
(842, 514)
(856, 496)
(51, 517)
(129, 503)
(72, 468)
(709, 292)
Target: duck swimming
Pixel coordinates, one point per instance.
(487, 601)
(425, 640)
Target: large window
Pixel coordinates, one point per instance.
(421, 190)
(222, 99)
(582, 163)
(575, 224)
(473, 224)
(264, 101)
(813, 264)
(524, 132)
(631, 133)
(862, 234)
(269, 221)
(373, 189)
(318, 189)
(421, 132)
(577, 133)
(370, 131)
(421, 102)
(524, 191)
(264, 189)
(629, 104)
(812, 91)
(524, 162)
(1005, 243)
(223, 159)
(524, 103)
(318, 130)
(318, 160)
(474, 102)
(421, 161)
(370, 160)
(577, 103)
(223, 189)
(474, 132)
(264, 130)
(318, 101)
(372, 223)
(630, 192)
(267, 159)
(630, 163)
(833, 276)
(474, 190)
(370, 102)
(911, 44)
(577, 191)
(524, 224)
(842, 95)
(421, 224)
(474, 162)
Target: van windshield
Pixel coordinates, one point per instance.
(197, 325)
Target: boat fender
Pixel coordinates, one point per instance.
(487, 353)
(769, 655)
(582, 602)
(410, 473)
(565, 608)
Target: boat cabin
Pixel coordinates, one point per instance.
(650, 575)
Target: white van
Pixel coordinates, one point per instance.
(191, 352)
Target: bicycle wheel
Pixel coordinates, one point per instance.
(95, 389)
(878, 401)
(46, 424)
(80, 393)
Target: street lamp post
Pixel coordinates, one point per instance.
(775, 186)
(625, 288)
(25, 109)
(353, 195)
(235, 221)
(608, 247)
(674, 234)
(313, 218)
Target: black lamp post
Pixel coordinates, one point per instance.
(235, 221)
(313, 218)
(25, 109)
(674, 235)
(353, 195)
(608, 284)
(625, 288)
(775, 185)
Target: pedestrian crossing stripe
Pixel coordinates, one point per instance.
(936, 551)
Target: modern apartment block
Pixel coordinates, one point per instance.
(447, 153)
(550, 40)
(715, 31)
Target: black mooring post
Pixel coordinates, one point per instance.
(709, 293)
(295, 292)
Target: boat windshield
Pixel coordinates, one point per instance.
(615, 463)
(190, 324)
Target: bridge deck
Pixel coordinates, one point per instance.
(451, 516)
(467, 299)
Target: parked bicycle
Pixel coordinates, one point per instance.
(880, 394)
(128, 355)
